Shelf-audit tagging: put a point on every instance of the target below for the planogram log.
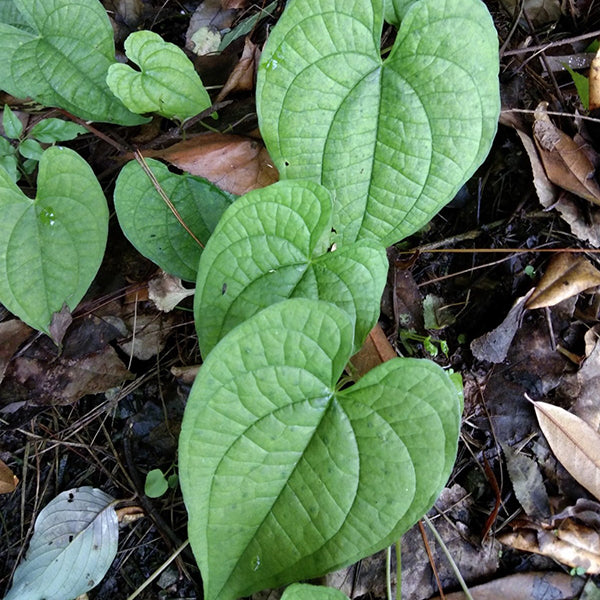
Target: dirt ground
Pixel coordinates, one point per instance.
(515, 519)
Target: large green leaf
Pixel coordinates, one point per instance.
(150, 224)
(61, 57)
(168, 83)
(52, 246)
(271, 245)
(393, 139)
(284, 476)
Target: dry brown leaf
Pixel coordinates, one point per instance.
(374, 351)
(550, 197)
(565, 162)
(8, 480)
(65, 380)
(584, 385)
(209, 20)
(574, 443)
(594, 79)
(167, 291)
(539, 12)
(149, 334)
(129, 514)
(527, 482)
(536, 585)
(235, 163)
(185, 375)
(12, 334)
(571, 544)
(242, 76)
(567, 275)
(493, 346)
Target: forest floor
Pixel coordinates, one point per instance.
(107, 409)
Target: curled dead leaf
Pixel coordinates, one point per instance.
(566, 163)
(570, 543)
(235, 163)
(574, 443)
(584, 227)
(567, 275)
(242, 76)
(8, 480)
(167, 291)
(129, 514)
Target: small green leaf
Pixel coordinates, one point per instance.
(31, 149)
(156, 484)
(305, 591)
(53, 130)
(73, 545)
(151, 226)
(13, 127)
(29, 165)
(245, 26)
(52, 246)
(8, 159)
(168, 83)
(393, 139)
(284, 476)
(582, 85)
(271, 245)
(58, 52)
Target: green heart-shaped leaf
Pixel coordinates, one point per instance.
(271, 245)
(150, 224)
(392, 139)
(51, 247)
(284, 476)
(61, 58)
(168, 83)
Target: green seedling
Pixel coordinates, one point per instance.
(157, 483)
(431, 345)
(20, 152)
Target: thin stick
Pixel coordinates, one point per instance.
(426, 250)
(431, 560)
(571, 40)
(553, 113)
(163, 195)
(159, 570)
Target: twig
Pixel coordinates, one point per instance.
(163, 195)
(543, 47)
(431, 559)
(553, 113)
